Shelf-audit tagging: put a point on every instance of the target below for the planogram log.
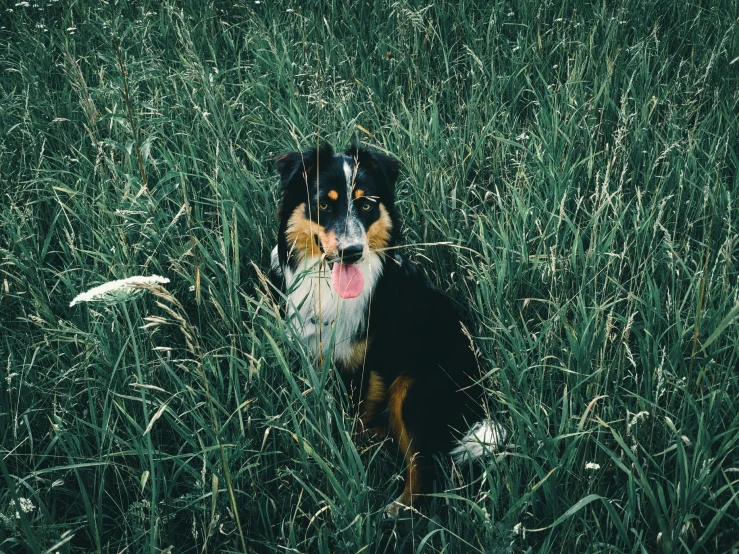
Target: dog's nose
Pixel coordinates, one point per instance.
(351, 254)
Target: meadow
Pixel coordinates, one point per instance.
(569, 177)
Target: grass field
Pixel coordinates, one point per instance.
(579, 160)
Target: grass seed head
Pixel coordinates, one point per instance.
(114, 292)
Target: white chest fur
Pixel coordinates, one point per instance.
(318, 316)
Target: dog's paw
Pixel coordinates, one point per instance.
(392, 510)
(396, 508)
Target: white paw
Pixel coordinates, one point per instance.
(394, 509)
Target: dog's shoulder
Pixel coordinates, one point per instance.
(404, 272)
(275, 271)
(409, 278)
(276, 277)
(405, 288)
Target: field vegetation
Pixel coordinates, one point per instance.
(569, 177)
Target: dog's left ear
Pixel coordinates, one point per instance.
(380, 164)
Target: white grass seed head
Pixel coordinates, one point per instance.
(118, 291)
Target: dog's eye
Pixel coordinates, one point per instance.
(366, 206)
(323, 206)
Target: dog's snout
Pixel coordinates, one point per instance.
(351, 254)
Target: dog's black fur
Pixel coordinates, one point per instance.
(409, 362)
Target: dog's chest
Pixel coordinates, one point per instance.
(322, 320)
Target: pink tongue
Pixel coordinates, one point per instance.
(348, 280)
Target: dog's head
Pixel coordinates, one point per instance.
(337, 207)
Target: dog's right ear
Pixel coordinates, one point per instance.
(288, 166)
(297, 167)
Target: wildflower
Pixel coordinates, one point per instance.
(25, 505)
(121, 290)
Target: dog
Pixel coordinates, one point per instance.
(397, 342)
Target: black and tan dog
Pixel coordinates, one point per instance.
(397, 342)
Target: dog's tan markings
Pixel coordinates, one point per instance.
(301, 236)
(329, 242)
(371, 405)
(356, 357)
(333, 195)
(378, 234)
(358, 193)
(401, 434)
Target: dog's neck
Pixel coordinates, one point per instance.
(324, 322)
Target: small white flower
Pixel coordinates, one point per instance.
(592, 465)
(26, 506)
(121, 290)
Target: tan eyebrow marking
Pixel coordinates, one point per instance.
(333, 195)
(358, 193)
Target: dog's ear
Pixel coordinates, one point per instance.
(379, 164)
(296, 167)
(390, 168)
(287, 165)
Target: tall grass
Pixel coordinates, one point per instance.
(581, 159)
